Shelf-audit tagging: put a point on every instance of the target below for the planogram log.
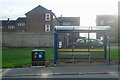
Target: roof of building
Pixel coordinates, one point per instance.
(69, 19)
(40, 7)
(11, 22)
(4, 22)
(21, 19)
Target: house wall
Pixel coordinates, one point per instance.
(26, 39)
(15, 24)
(36, 21)
(5, 29)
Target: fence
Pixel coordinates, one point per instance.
(26, 39)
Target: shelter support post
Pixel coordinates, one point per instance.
(105, 46)
(55, 48)
(109, 48)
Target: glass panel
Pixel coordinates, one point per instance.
(75, 46)
(96, 46)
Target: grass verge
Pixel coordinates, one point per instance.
(20, 57)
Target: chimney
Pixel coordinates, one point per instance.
(50, 10)
(8, 20)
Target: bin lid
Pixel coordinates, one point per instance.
(38, 50)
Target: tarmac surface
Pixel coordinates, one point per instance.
(93, 71)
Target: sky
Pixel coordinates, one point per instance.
(85, 9)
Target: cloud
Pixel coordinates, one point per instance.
(83, 8)
(15, 8)
(12, 13)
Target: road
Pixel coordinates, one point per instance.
(103, 71)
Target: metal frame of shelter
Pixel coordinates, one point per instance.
(86, 29)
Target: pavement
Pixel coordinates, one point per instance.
(96, 71)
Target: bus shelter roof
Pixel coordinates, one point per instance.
(82, 28)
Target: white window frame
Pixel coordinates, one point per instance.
(21, 24)
(47, 28)
(11, 27)
(47, 17)
(66, 23)
(1, 27)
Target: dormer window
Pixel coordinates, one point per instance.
(47, 17)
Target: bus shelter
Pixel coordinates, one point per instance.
(75, 43)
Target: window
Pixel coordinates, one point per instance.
(11, 27)
(1, 27)
(47, 28)
(111, 21)
(66, 23)
(21, 24)
(47, 17)
(102, 22)
(81, 41)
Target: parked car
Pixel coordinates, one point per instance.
(85, 43)
(60, 44)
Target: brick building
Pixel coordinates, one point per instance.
(109, 20)
(18, 25)
(67, 38)
(38, 19)
(8, 26)
(21, 24)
